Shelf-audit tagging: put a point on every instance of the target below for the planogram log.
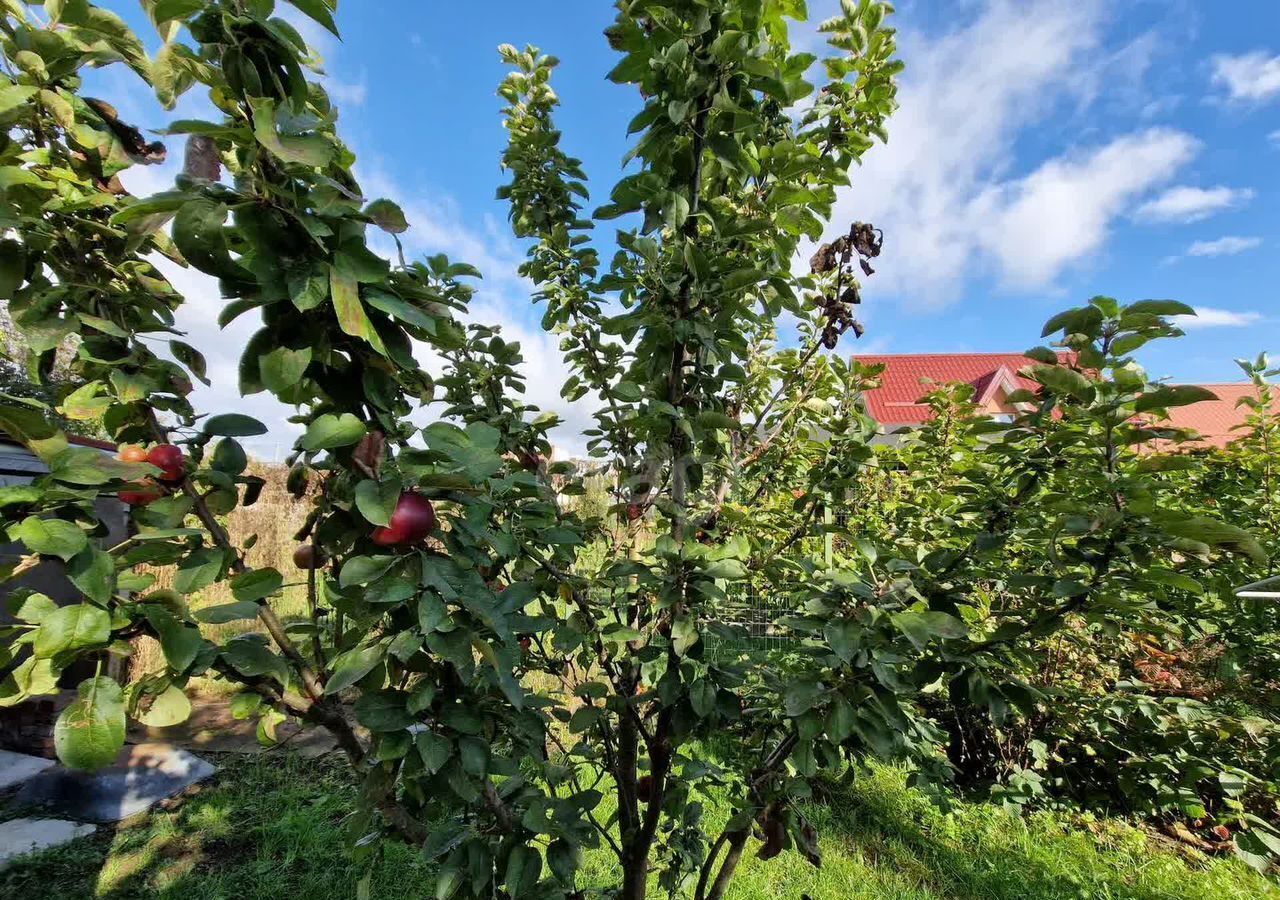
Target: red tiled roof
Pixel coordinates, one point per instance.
(896, 400)
(908, 377)
(1216, 420)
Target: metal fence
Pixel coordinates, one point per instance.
(753, 614)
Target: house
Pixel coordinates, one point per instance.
(898, 407)
(19, 466)
(1217, 421)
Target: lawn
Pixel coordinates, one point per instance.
(271, 827)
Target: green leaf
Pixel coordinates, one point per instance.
(353, 665)
(1062, 380)
(387, 216)
(384, 711)
(94, 573)
(86, 402)
(234, 425)
(1172, 395)
(85, 466)
(800, 696)
(330, 431)
(1158, 308)
(250, 656)
(710, 419)
(1216, 534)
(131, 386)
(283, 368)
(72, 628)
(728, 569)
(922, 627)
(399, 309)
(351, 315)
(229, 457)
(363, 569)
(201, 568)
(320, 10)
(840, 720)
(583, 718)
(434, 749)
(524, 865)
(310, 149)
(31, 609)
(1081, 320)
(90, 732)
(257, 584)
(627, 391)
(192, 358)
(180, 642)
(684, 634)
(843, 636)
(702, 696)
(166, 10)
(199, 235)
(25, 424)
(227, 612)
(377, 501)
(50, 537)
(564, 859)
(170, 707)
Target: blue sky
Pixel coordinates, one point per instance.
(1045, 151)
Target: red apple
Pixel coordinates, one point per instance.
(141, 493)
(644, 788)
(530, 460)
(169, 460)
(410, 523)
(308, 556)
(525, 642)
(634, 511)
(387, 537)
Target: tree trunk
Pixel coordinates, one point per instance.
(635, 874)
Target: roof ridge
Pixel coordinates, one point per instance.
(960, 353)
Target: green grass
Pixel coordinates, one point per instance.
(270, 827)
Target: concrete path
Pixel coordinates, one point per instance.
(17, 768)
(21, 836)
(142, 776)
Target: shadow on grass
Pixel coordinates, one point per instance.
(982, 851)
(266, 827)
(271, 827)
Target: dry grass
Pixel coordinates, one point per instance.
(273, 519)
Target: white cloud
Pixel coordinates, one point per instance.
(1274, 137)
(348, 93)
(437, 225)
(1184, 204)
(1223, 246)
(945, 189)
(1211, 317)
(1062, 212)
(1249, 77)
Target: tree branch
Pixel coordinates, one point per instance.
(310, 681)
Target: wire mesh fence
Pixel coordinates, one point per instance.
(752, 622)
